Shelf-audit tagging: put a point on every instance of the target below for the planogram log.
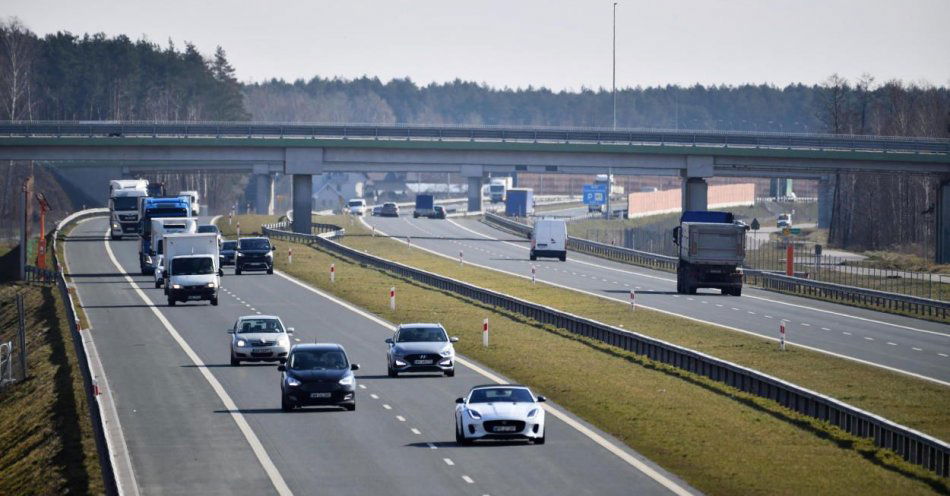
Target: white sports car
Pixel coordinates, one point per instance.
(499, 412)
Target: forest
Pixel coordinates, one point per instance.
(97, 77)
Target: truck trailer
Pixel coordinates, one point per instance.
(519, 202)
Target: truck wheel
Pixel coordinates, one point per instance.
(171, 301)
(533, 257)
(691, 290)
(563, 257)
(415, 215)
(237, 271)
(736, 291)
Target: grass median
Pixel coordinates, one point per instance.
(719, 439)
(46, 443)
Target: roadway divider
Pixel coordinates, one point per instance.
(883, 300)
(915, 447)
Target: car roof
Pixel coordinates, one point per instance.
(254, 237)
(421, 324)
(258, 317)
(317, 346)
(486, 386)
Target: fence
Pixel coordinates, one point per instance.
(13, 364)
(6, 363)
(883, 300)
(915, 447)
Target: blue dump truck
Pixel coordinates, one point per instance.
(519, 202)
(154, 208)
(711, 249)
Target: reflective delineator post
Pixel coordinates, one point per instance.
(461, 258)
(533, 270)
(781, 336)
(238, 229)
(230, 214)
(374, 231)
(290, 256)
(333, 273)
(409, 241)
(392, 298)
(633, 300)
(485, 333)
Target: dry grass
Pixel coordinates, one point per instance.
(720, 440)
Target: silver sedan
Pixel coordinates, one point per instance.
(259, 338)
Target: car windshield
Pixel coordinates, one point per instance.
(255, 244)
(503, 395)
(207, 229)
(192, 266)
(356, 203)
(250, 326)
(389, 205)
(318, 360)
(229, 245)
(125, 203)
(421, 334)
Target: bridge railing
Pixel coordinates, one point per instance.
(661, 137)
(887, 301)
(916, 447)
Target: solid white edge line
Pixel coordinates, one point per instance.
(797, 305)
(597, 438)
(694, 319)
(276, 479)
(122, 468)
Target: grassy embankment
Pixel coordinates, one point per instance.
(719, 439)
(46, 443)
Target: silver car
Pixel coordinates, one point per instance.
(259, 338)
(421, 348)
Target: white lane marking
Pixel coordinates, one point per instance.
(362, 386)
(917, 349)
(768, 316)
(677, 296)
(276, 479)
(750, 312)
(846, 333)
(387, 406)
(248, 305)
(825, 329)
(467, 479)
(253, 309)
(259, 313)
(734, 308)
(704, 302)
(448, 461)
(432, 446)
(416, 431)
(892, 344)
(688, 298)
(805, 324)
(297, 340)
(719, 305)
(869, 339)
(762, 298)
(400, 418)
(942, 354)
(593, 436)
(694, 319)
(374, 396)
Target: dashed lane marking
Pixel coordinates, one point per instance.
(467, 479)
(400, 418)
(448, 461)
(416, 431)
(387, 406)
(374, 396)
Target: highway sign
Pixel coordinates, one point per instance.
(796, 230)
(595, 194)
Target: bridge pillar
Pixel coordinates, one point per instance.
(943, 223)
(826, 198)
(694, 193)
(474, 175)
(303, 203)
(264, 195)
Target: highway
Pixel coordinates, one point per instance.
(194, 424)
(903, 344)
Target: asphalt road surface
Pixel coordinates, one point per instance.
(193, 424)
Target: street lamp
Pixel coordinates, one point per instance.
(615, 66)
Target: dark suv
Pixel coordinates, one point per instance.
(254, 254)
(317, 374)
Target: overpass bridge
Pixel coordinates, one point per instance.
(302, 150)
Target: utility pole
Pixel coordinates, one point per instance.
(615, 66)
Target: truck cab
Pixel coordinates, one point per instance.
(711, 250)
(192, 198)
(549, 239)
(157, 208)
(124, 211)
(192, 271)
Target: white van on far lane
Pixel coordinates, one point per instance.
(356, 206)
(549, 239)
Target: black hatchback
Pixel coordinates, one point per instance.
(254, 254)
(317, 374)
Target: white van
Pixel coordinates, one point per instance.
(192, 197)
(357, 206)
(192, 267)
(549, 239)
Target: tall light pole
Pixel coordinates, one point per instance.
(615, 66)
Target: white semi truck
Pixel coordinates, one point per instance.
(497, 188)
(124, 198)
(191, 268)
(193, 199)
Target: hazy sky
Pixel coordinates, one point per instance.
(559, 44)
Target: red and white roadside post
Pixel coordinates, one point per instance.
(409, 241)
(239, 229)
(533, 273)
(290, 256)
(230, 214)
(332, 273)
(781, 335)
(461, 258)
(392, 298)
(95, 388)
(485, 333)
(633, 300)
(374, 231)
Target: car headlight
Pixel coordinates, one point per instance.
(292, 382)
(533, 412)
(474, 414)
(176, 286)
(400, 363)
(241, 343)
(446, 352)
(238, 254)
(347, 381)
(211, 285)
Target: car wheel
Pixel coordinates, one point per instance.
(540, 440)
(350, 408)
(450, 373)
(286, 405)
(391, 372)
(270, 270)
(214, 301)
(234, 361)
(116, 238)
(157, 284)
(533, 257)
(171, 302)
(237, 271)
(458, 436)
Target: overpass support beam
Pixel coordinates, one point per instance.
(694, 183)
(826, 199)
(303, 203)
(264, 194)
(473, 174)
(943, 223)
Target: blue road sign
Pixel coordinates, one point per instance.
(595, 194)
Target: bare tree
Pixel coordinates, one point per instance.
(17, 56)
(863, 87)
(834, 111)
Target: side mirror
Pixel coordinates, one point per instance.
(354, 366)
(220, 272)
(541, 399)
(454, 339)
(460, 400)
(282, 368)
(290, 330)
(389, 340)
(230, 331)
(273, 248)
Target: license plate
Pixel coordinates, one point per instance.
(542, 245)
(423, 362)
(504, 428)
(194, 297)
(320, 395)
(260, 350)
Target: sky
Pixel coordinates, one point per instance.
(559, 44)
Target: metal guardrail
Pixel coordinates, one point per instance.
(661, 137)
(884, 300)
(915, 447)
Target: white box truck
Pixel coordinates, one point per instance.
(549, 239)
(191, 268)
(192, 197)
(124, 198)
(160, 228)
